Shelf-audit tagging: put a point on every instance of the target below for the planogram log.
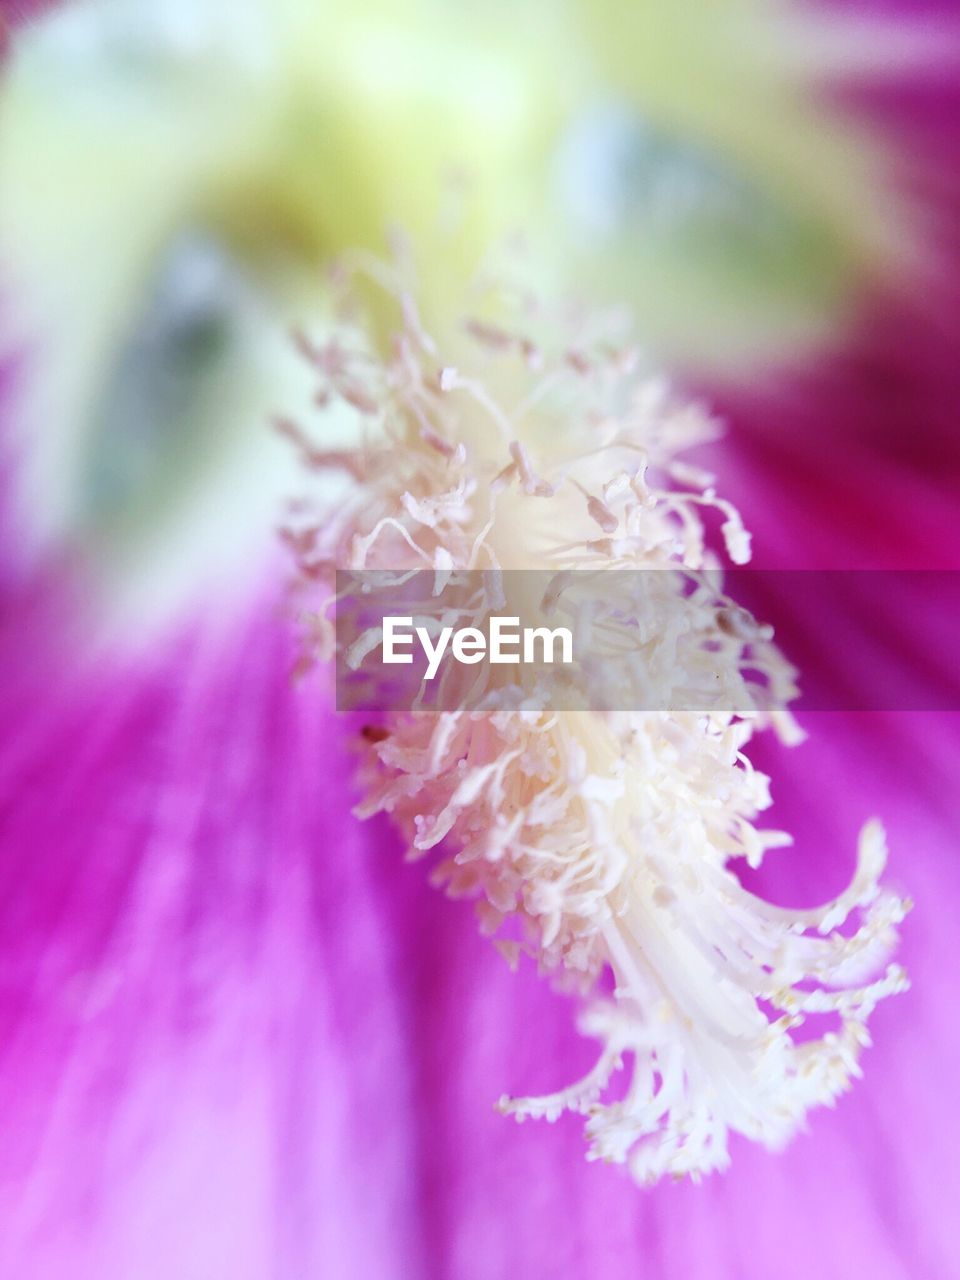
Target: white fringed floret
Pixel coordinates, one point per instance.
(609, 836)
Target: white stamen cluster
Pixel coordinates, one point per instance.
(597, 839)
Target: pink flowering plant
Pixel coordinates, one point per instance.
(242, 1039)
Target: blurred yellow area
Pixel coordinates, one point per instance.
(176, 175)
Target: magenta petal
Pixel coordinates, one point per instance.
(242, 1039)
(202, 1057)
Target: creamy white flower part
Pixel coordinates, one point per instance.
(594, 840)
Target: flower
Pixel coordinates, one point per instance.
(239, 1046)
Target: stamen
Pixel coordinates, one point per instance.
(607, 835)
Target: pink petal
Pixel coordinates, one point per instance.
(203, 1062)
